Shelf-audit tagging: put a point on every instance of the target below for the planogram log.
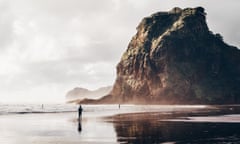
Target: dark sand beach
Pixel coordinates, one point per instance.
(166, 124)
(219, 125)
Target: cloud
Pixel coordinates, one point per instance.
(6, 24)
(47, 47)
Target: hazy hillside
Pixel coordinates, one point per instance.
(78, 94)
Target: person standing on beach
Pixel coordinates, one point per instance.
(80, 112)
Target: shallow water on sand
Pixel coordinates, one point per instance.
(53, 128)
(109, 124)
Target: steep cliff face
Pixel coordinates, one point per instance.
(174, 58)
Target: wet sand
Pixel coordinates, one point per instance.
(165, 125)
(58, 128)
(218, 125)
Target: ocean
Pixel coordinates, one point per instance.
(111, 108)
(35, 108)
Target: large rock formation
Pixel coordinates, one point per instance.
(175, 59)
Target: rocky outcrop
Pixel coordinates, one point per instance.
(175, 59)
(78, 94)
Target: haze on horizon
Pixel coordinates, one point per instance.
(48, 47)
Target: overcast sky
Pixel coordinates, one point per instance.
(48, 47)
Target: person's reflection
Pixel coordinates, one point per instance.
(79, 125)
(80, 109)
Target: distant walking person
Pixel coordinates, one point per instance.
(80, 112)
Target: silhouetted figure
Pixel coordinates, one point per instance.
(79, 126)
(80, 113)
(119, 106)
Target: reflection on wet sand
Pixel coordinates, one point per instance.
(79, 125)
(149, 128)
(178, 132)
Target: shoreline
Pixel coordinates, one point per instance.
(129, 124)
